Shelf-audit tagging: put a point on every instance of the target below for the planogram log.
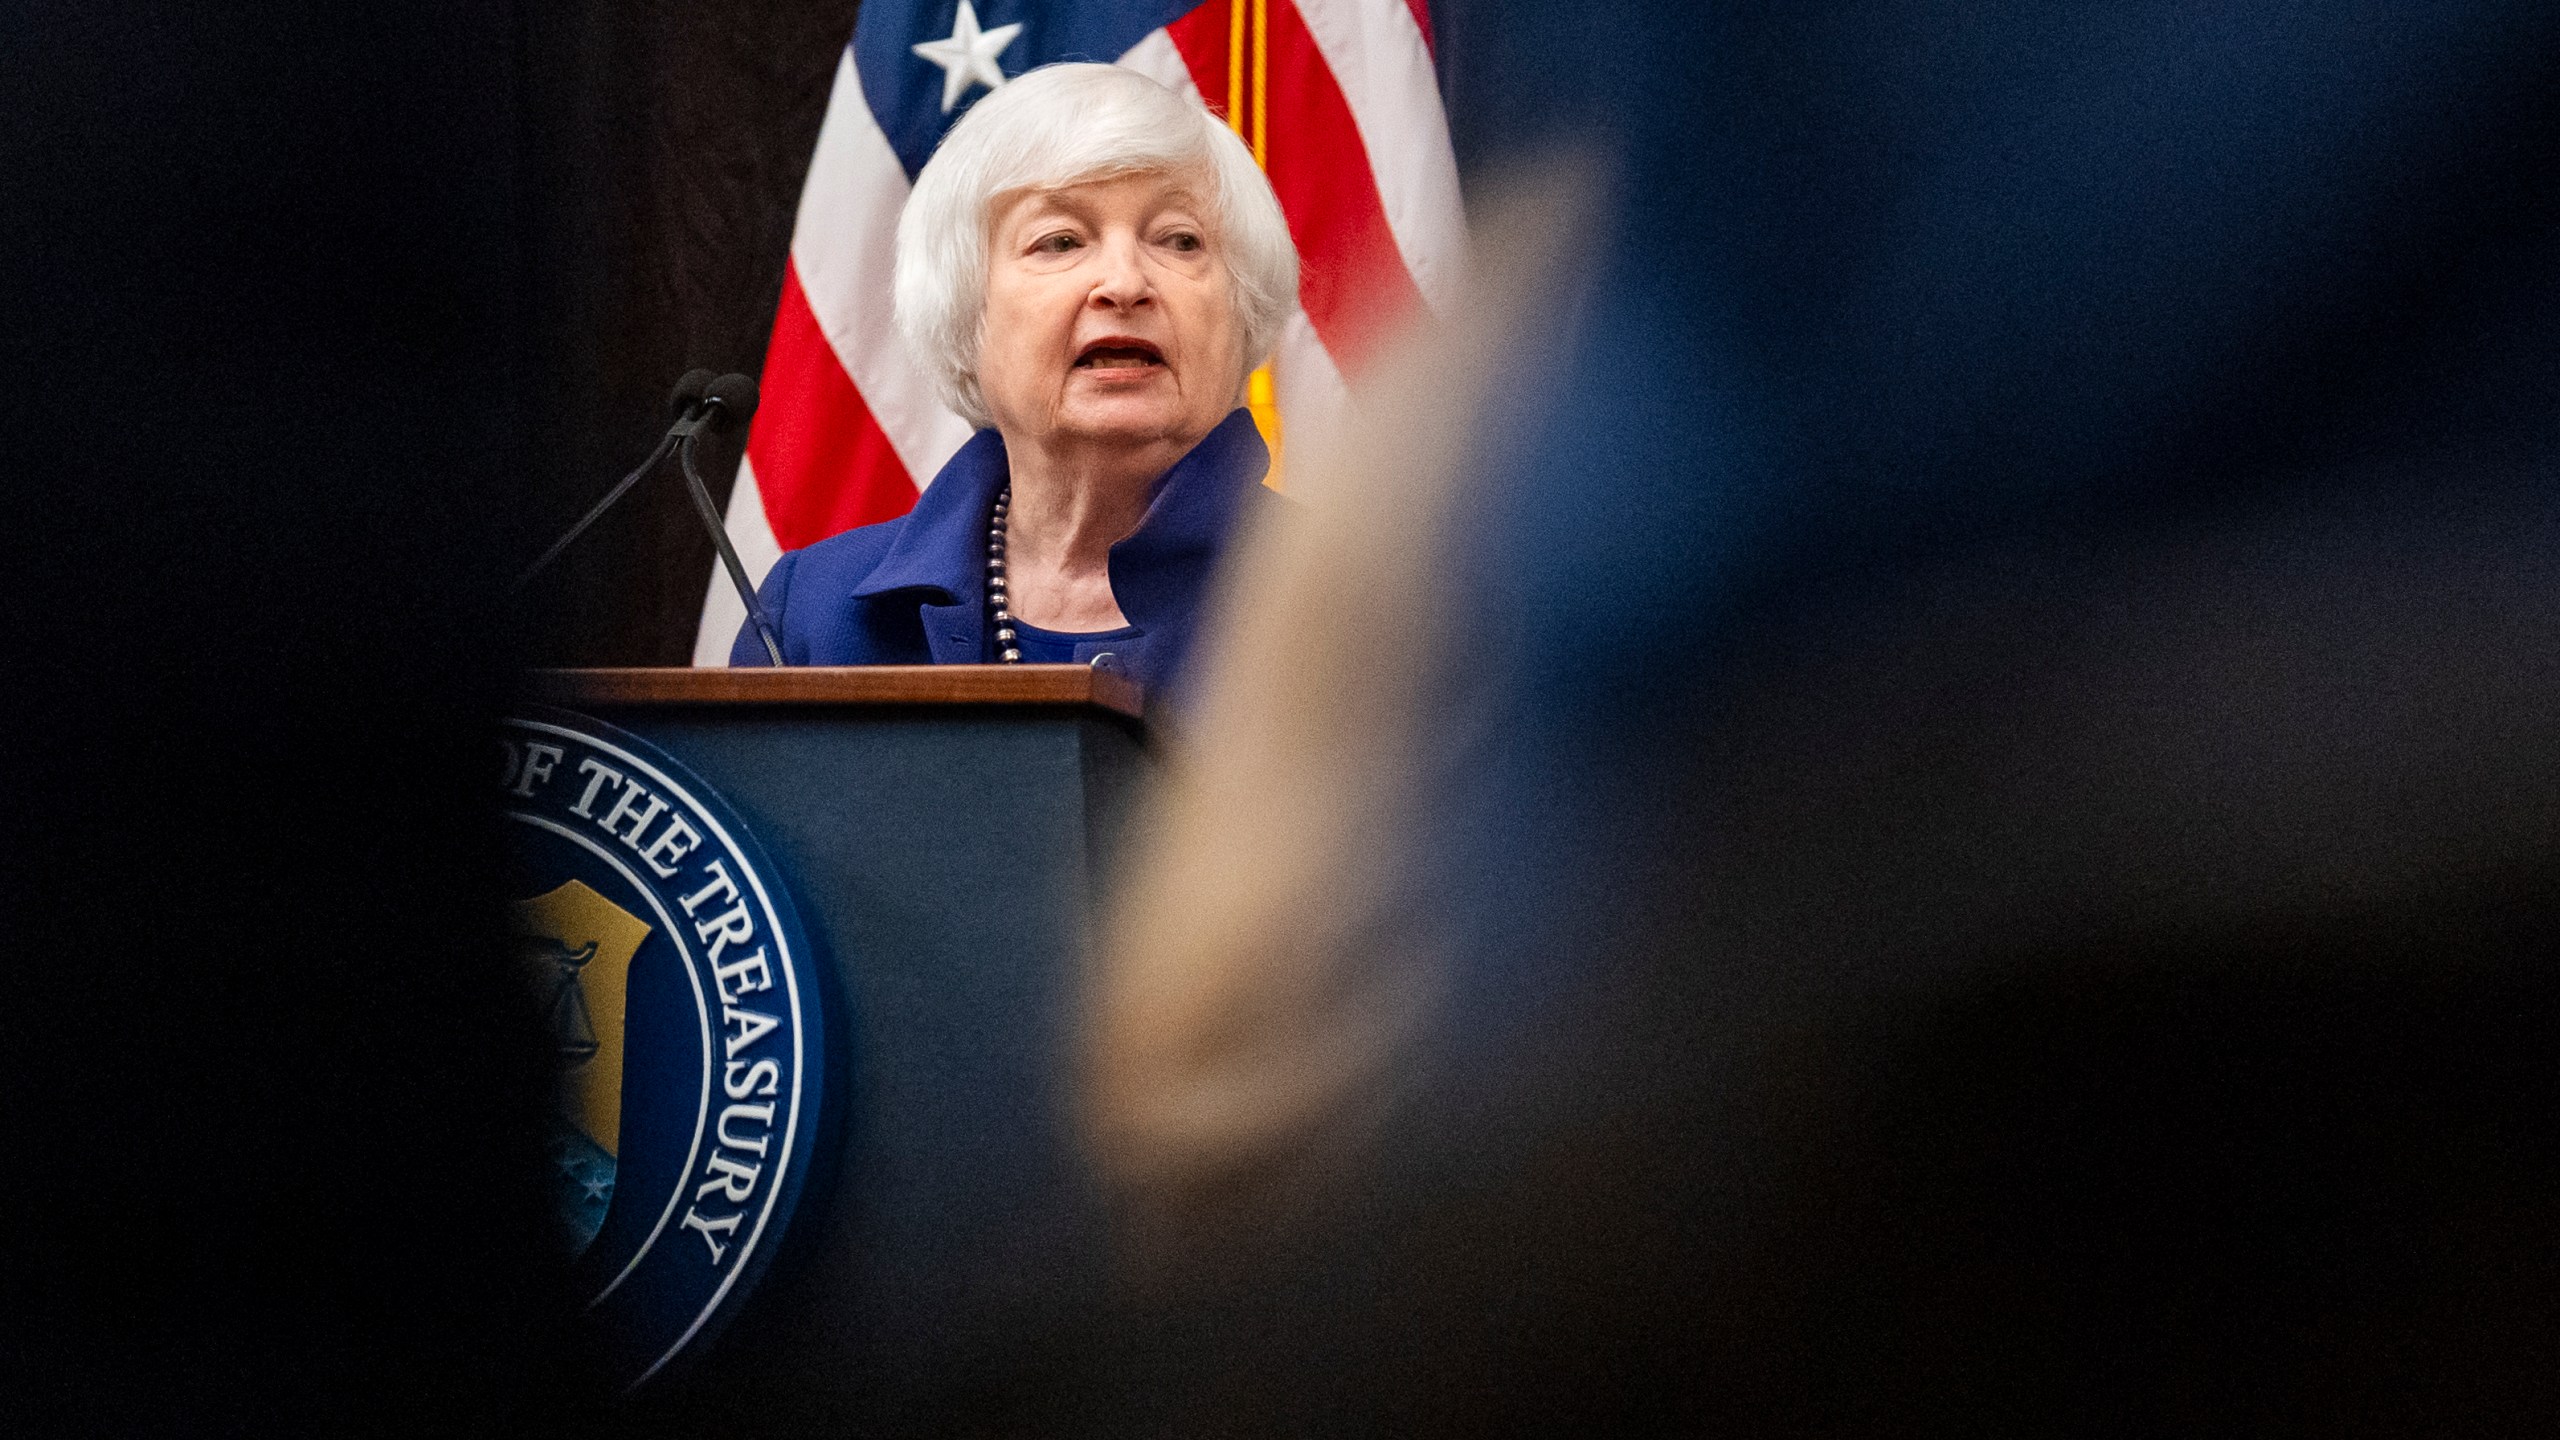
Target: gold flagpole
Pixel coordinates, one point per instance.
(1235, 66)
(1261, 83)
(1261, 396)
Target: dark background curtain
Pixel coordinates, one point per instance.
(662, 154)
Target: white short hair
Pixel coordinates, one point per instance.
(1064, 125)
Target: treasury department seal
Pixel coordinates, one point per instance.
(684, 998)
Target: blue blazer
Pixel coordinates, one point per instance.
(912, 591)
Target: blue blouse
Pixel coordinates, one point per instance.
(1070, 647)
(912, 591)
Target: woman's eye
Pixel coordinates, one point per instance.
(1183, 240)
(1056, 244)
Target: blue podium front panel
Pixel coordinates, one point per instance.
(942, 1264)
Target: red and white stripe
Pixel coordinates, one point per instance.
(1358, 152)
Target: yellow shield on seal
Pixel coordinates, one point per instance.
(579, 946)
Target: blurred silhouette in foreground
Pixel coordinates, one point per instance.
(1962, 828)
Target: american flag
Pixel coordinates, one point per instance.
(1337, 98)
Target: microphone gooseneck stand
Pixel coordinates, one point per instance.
(740, 393)
(665, 443)
(701, 402)
(686, 402)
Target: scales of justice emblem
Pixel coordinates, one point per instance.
(578, 947)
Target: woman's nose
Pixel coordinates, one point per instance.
(1120, 282)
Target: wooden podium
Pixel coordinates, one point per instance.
(944, 831)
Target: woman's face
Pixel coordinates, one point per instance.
(1109, 317)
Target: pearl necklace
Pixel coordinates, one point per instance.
(997, 612)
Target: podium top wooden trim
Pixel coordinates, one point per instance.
(841, 685)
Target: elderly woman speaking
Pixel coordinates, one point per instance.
(1091, 266)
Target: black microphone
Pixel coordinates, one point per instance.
(688, 402)
(735, 395)
(689, 392)
(726, 401)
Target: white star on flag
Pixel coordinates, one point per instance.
(969, 56)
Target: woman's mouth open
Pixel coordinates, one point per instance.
(1116, 352)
